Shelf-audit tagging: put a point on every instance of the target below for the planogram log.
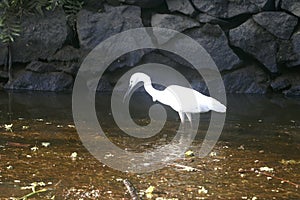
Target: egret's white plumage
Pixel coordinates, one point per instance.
(182, 99)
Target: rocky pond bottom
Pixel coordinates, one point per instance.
(256, 157)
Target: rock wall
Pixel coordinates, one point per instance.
(255, 43)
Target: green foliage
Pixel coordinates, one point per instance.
(71, 8)
(35, 6)
(10, 29)
(9, 25)
(11, 11)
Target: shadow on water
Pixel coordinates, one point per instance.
(256, 157)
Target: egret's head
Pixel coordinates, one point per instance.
(134, 80)
(138, 77)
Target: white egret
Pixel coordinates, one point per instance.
(181, 99)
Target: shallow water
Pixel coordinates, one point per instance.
(260, 131)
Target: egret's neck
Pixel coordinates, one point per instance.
(150, 89)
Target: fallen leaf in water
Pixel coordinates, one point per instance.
(261, 151)
(35, 148)
(266, 169)
(45, 144)
(8, 127)
(25, 127)
(74, 155)
(33, 186)
(149, 195)
(289, 162)
(189, 153)
(150, 189)
(202, 190)
(213, 154)
(9, 167)
(108, 155)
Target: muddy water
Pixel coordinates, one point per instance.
(257, 156)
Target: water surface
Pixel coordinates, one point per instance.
(260, 131)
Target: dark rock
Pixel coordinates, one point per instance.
(71, 69)
(174, 22)
(182, 6)
(228, 9)
(285, 52)
(104, 85)
(296, 49)
(256, 41)
(205, 18)
(280, 84)
(67, 53)
(214, 40)
(175, 59)
(165, 58)
(292, 6)
(93, 5)
(93, 28)
(41, 36)
(144, 3)
(289, 83)
(293, 91)
(279, 24)
(53, 81)
(289, 51)
(128, 60)
(3, 75)
(250, 79)
(200, 86)
(277, 4)
(41, 67)
(114, 2)
(3, 54)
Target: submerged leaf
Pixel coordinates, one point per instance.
(189, 153)
(289, 162)
(150, 189)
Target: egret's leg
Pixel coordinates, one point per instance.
(181, 115)
(189, 116)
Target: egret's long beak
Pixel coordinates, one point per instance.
(127, 93)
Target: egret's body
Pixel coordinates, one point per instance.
(181, 99)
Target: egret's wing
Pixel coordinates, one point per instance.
(184, 99)
(188, 100)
